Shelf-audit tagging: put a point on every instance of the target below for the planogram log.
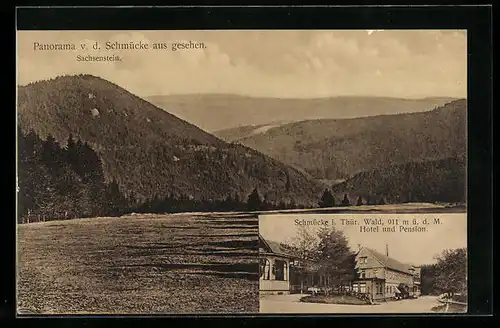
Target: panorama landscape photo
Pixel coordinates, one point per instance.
(141, 179)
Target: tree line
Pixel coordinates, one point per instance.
(328, 200)
(183, 203)
(65, 182)
(56, 182)
(253, 202)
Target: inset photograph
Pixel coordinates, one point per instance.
(360, 263)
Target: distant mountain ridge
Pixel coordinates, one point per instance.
(338, 149)
(150, 152)
(215, 112)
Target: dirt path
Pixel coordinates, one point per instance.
(291, 304)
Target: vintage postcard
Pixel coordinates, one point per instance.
(363, 263)
(162, 171)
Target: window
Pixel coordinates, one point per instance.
(267, 269)
(279, 270)
(363, 260)
(262, 265)
(285, 271)
(362, 275)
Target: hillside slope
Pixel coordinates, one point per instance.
(432, 181)
(338, 149)
(150, 152)
(214, 112)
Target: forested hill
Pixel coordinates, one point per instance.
(149, 152)
(432, 181)
(338, 149)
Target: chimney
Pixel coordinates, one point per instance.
(387, 250)
(359, 247)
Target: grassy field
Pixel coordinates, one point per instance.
(389, 208)
(140, 264)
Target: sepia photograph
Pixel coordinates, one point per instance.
(363, 263)
(147, 159)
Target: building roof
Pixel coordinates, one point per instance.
(389, 262)
(276, 247)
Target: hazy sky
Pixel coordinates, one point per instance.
(407, 247)
(288, 64)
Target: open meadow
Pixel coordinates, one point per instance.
(151, 263)
(140, 264)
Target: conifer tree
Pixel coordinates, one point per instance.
(346, 201)
(71, 152)
(254, 201)
(327, 199)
